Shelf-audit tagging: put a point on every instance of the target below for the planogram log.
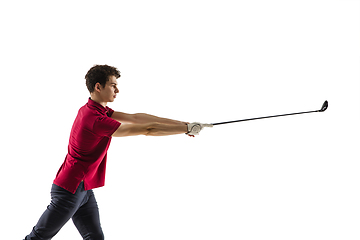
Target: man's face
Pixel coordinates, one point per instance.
(108, 93)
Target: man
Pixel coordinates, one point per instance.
(84, 166)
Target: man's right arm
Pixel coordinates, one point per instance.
(150, 129)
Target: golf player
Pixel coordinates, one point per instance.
(84, 166)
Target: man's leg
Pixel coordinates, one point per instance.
(87, 220)
(62, 207)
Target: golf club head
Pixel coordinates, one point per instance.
(324, 106)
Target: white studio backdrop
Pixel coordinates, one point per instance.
(293, 177)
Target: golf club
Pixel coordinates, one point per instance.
(323, 108)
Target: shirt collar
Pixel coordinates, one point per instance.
(95, 105)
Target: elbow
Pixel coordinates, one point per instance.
(149, 133)
(152, 130)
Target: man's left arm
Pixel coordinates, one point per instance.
(141, 118)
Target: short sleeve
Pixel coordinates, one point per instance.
(105, 126)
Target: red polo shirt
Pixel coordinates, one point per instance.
(90, 138)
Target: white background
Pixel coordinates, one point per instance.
(294, 177)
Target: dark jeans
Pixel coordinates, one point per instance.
(81, 207)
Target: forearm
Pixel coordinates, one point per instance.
(147, 118)
(161, 129)
(149, 129)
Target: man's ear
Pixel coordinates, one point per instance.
(97, 87)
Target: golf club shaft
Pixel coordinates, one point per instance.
(249, 119)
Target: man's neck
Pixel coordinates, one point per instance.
(98, 100)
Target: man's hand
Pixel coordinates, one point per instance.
(195, 128)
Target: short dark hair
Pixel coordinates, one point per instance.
(100, 74)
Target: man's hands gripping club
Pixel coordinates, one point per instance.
(195, 128)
